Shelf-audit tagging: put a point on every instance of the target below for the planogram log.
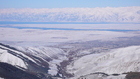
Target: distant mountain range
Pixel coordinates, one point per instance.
(108, 14)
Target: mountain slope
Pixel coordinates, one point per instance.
(22, 61)
(44, 60)
(47, 62)
(53, 56)
(11, 72)
(11, 59)
(115, 61)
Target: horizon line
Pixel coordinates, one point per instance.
(69, 7)
(12, 22)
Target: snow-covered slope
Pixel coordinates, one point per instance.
(1, 78)
(26, 57)
(11, 59)
(108, 14)
(18, 53)
(43, 52)
(42, 60)
(116, 61)
(51, 55)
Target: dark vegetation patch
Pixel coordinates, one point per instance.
(133, 75)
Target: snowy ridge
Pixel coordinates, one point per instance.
(51, 55)
(40, 56)
(108, 14)
(43, 52)
(116, 61)
(18, 53)
(11, 59)
(97, 65)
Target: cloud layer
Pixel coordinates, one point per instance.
(108, 14)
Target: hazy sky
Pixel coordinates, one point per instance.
(67, 3)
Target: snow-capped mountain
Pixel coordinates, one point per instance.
(112, 64)
(53, 56)
(108, 14)
(35, 60)
(13, 57)
(116, 61)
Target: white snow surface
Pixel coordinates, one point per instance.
(11, 59)
(18, 53)
(116, 61)
(43, 52)
(57, 55)
(1, 78)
